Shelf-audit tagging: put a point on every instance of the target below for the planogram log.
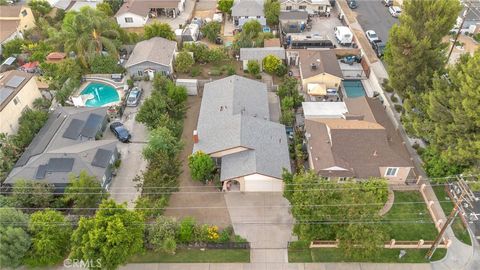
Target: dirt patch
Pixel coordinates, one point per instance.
(208, 71)
(204, 203)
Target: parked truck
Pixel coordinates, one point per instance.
(343, 35)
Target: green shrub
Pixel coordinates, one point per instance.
(398, 108)
(394, 98)
(258, 76)
(216, 72)
(253, 67)
(281, 71)
(195, 71)
(231, 70)
(130, 83)
(187, 227)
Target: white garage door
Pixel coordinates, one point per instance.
(267, 185)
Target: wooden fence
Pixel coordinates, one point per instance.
(392, 244)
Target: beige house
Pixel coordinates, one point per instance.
(319, 71)
(360, 144)
(18, 90)
(14, 20)
(311, 6)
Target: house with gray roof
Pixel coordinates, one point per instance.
(258, 54)
(152, 56)
(234, 128)
(67, 144)
(245, 10)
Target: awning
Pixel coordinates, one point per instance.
(316, 89)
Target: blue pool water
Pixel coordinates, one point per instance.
(353, 88)
(103, 94)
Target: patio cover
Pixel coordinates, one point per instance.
(317, 89)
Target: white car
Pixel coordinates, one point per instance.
(395, 11)
(371, 36)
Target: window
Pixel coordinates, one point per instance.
(140, 73)
(258, 17)
(302, 7)
(128, 19)
(24, 13)
(246, 17)
(16, 100)
(391, 172)
(342, 179)
(289, 8)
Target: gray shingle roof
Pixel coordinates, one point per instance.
(156, 50)
(248, 8)
(234, 113)
(260, 53)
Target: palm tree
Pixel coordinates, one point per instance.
(88, 33)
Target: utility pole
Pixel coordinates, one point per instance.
(464, 15)
(465, 195)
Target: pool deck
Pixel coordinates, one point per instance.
(116, 85)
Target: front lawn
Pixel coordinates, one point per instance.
(447, 205)
(194, 256)
(385, 256)
(409, 219)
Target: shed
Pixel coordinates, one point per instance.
(190, 84)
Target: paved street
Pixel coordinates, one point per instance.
(122, 189)
(372, 15)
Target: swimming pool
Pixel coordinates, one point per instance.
(102, 94)
(353, 88)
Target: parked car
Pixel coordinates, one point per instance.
(350, 59)
(133, 98)
(379, 47)
(371, 36)
(387, 3)
(352, 4)
(120, 132)
(395, 11)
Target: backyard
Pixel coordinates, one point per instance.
(447, 205)
(194, 256)
(409, 219)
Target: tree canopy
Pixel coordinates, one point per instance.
(211, 30)
(271, 63)
(84, 191)
(158, 30)
(201, 166)
(272, 12)
(225, 6)
(111, 236)
(183, 62)
(162, 140)
(32, 194)
(15, 241)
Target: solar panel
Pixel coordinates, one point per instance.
(5, 93)
(60, 165)
(73, 129)
(15, 81)
(92, 126)
(102, 158)
(41, 172)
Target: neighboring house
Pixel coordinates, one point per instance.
(152, 56)
(293, 21)
(14, 20)
(74, 5)
(245, 10)
(324, 109)
(363, 143)
(234, 129)
(319, 71)
(472, 18)
(258, 54)
(311, 6)
(136, 13)
(67, 145)
(18, 90)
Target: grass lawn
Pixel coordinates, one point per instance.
(420, 224)
(457, 226)
(194, 256)
(385, 256)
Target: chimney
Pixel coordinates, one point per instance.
(195, 136)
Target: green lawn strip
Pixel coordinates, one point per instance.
(384, 256)
(418, 223)
(194, 256)
(447, 205)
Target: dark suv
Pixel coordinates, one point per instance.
(120, 132)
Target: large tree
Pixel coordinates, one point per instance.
(183, 62)
(32, 194)
(415, 50)
(211, 30)
(111, 236)
(50, 236)
(88, 32)
(272, 12)
(225, 6)
(14, 240)
(450, 121)
(162, 140)
(84, 191)
(159, 30)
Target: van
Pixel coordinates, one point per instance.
(343, 35)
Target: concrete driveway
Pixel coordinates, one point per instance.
(122, 188)
(262, 218)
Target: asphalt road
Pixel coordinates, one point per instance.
(373, 15)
